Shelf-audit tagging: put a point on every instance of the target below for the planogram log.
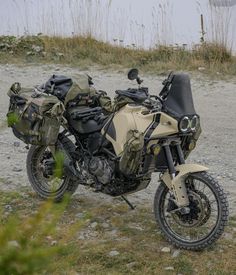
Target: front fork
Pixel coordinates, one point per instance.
(175, 177)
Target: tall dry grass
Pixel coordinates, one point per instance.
(90, 41)
(100, 20)
(86, 51)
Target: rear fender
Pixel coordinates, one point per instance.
(177, 184)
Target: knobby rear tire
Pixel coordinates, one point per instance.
(221, 221)
(69, 185)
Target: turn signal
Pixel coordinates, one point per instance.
(155, 149)
(192, 145)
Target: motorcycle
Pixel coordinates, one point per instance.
(116, 152)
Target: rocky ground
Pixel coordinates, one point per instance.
(215, 101)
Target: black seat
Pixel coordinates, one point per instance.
(137, 95)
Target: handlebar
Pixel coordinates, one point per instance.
(165, 90)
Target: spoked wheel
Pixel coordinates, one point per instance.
(40, 170)
(207, 216)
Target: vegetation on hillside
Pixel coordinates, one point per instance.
(86, 51)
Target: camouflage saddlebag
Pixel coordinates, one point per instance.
(69, 92)
(34, 117)
(132, 153)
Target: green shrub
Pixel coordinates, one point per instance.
(24, 248)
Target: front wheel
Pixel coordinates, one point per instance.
(207, 217)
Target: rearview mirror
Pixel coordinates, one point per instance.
(133, 74)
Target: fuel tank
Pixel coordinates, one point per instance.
(137, 117)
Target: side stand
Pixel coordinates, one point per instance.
(129, 203)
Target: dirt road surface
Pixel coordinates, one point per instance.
(215, 101)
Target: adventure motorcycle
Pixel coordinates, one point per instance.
(115, 148)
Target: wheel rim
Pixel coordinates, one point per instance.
(48, 186)
(202, 220)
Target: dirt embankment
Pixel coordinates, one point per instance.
(215, 101)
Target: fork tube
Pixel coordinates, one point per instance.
(169, 160)
(180, 154)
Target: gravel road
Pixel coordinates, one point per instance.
(215, 101)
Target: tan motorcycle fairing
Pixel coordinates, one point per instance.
(177, 184)
(133, 117)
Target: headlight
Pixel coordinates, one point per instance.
(194, 122)
(188, 124)
(184, 124)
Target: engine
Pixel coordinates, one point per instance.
(101, 169)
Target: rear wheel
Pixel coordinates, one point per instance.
(40, 169)
(205, 222)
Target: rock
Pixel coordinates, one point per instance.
(132, 264)
(94, 225)
(113, 233)
(175, 253)
(53, 243)
(169, 268)
(14, 244)
(60, 54)
(16, 169)
(228, 236)
(80, 215)
(29, 53)
(113, 253)
(93, 234)
(105, 225)
(136, 226)
(165, 250)
(201, 69)
(36, 48)
(16, 144)
(8, 208)
(81, 237)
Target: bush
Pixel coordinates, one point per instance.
(213, 52)
(24, 248)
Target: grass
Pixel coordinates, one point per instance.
(85, 235)
(86, 51)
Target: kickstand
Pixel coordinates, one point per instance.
(128, 202)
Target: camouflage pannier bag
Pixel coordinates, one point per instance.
(79, 93)
(34, 117)
(132, 154)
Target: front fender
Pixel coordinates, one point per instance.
(177, 184)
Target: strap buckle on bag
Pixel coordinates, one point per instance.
(36, 93)
(16, 87)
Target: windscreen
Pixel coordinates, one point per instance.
(179, 101)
